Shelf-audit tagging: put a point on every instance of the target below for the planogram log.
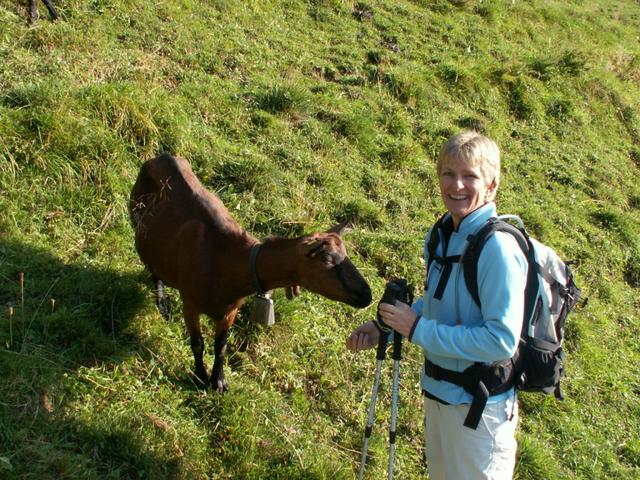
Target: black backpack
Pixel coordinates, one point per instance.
(550, 294)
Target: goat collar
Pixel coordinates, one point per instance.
(255, 283)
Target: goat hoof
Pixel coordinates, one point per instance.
(163, 308)
(220, 386)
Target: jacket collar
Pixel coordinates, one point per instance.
(472, 222)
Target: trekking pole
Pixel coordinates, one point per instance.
(397, 355)
(380, 356)
(395, 290)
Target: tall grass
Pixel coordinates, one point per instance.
(300, 114)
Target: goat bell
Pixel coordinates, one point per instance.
(262, 311)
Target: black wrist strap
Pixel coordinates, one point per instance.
(413, 327)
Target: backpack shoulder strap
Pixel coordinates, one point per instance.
(441, 230)
(434, 240)
(476, 243)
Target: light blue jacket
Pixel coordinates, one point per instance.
(453, 332)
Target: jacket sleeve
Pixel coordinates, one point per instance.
(417, 306)
(502, 272)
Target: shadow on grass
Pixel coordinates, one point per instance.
(43, 342)
(67, 449)
(76, 312)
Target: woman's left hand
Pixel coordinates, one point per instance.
(400, 317)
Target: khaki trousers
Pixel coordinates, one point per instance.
(455, 452)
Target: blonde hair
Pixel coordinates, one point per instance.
(477, 150)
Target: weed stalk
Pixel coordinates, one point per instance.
(10, 325)
(21, 280)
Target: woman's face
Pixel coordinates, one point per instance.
(463, 188)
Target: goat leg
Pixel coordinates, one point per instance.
(217, 373)
(192, 320)
(33, 11)
(162, 301)
(197, 347)
(222, 331)
(52, 11)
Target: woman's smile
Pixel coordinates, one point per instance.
(463, 188)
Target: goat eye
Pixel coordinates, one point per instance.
(328, 259)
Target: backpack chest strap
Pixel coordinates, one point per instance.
(447, 265)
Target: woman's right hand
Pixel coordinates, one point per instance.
(364, 337)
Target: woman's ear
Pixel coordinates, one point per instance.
(490, 194)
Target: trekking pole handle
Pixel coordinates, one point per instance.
(397, 346)
(394, 290)
(381, 353)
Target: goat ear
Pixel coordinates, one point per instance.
(313, 247)
(341, 228)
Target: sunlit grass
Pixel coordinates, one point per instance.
(298, 115)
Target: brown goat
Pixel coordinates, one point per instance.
(187, 239)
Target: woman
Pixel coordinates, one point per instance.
(453, 331)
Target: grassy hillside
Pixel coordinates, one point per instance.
(299, 114)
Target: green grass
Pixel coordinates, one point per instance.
(299, 114)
